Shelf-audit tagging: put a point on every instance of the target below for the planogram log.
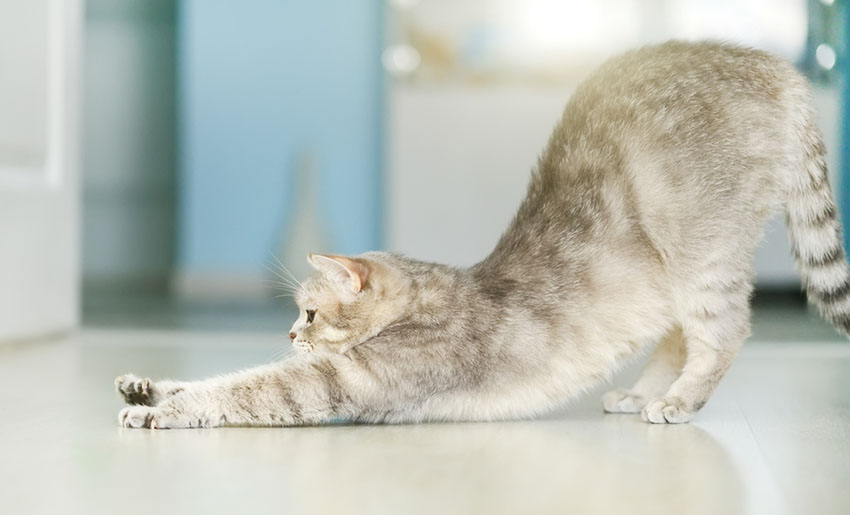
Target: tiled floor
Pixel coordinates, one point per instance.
(774, 439)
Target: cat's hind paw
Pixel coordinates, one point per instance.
(135, 390)
(622, 401)
(667, 410)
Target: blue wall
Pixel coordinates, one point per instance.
(260, 81)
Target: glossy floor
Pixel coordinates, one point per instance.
(774, 439)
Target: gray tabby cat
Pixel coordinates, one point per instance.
(638, 230)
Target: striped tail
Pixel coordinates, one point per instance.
(816, 237)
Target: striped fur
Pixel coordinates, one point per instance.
(816, 237)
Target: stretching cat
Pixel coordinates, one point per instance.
(638, 230)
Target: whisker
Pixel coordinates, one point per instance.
(283, 267)
(283, 286)
(283, 353)
(283, 281)
(279, 294)
(280, 276)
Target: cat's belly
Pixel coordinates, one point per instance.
(547, 377)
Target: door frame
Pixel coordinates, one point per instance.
(39, 208)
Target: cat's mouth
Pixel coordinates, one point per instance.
(302, 346)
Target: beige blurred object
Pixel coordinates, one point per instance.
(439, 57)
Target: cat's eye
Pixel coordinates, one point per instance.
(311, 314)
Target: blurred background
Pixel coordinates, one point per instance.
(191, 147)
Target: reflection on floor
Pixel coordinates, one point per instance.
(774, 439)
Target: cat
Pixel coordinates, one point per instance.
(637, 234)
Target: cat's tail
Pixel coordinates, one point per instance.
(816, 236)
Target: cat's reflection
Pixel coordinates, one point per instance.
(546, 466)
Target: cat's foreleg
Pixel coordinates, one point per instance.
(663, 367)
(303, 390)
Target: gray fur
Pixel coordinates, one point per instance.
(639, 226)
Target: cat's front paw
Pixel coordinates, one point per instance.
(622, 401)
(135, 390)
(153, 417)
(138, 417)
(667, 410)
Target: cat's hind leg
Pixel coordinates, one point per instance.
(664, 366)
(714, 328)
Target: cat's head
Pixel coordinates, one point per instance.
(346, 301)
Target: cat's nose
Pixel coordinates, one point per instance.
(292, 336)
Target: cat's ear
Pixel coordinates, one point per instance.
(350, 272)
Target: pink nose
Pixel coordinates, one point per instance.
(292, 336)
